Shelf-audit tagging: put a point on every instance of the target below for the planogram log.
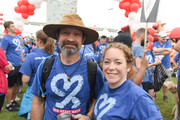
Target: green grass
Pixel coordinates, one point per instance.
(164, 107)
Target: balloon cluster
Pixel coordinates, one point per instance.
(130, 6)
(24, 8)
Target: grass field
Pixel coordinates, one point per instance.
(164, 107)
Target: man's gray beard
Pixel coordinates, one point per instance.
(68, 51)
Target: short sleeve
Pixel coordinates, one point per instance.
(139, 52)
(37, 79)
(99, 81)
(4, 44)
(176, 58)
(145, 109)
(26, 67)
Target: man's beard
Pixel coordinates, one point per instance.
(69, 51)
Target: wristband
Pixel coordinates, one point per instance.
(89, 117)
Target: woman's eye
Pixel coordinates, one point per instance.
(106, 62)
(118, 63)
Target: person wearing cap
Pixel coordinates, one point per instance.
(67, 86)
(164, 48)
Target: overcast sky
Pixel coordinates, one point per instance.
(102, 13)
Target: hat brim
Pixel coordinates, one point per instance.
(52, 29)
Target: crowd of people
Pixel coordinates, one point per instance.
(55, 66)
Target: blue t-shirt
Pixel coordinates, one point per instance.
(31, 63)
(137, 51)
(88, 52)
(12, 46)
(100, 49)
(63, 95)
(166, 59)
(25, 51)
(177, 59)
(151, 59)
(127, 102)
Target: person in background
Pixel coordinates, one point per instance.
(121, 99)
(177, 60)
(100, 48)
(127, 40)
(164, 48)
(11, 44)
(137, 49)
(29, 67)
(67, 86)
(5, 68)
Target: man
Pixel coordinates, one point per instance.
(164, 48)
(138, 52)
(101, 47)
(67, 85)
(11, 44)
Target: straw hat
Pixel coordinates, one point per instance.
(71, 20)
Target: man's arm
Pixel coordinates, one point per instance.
(37, 109)
(162, 51)
(157, 61)
(25, 78)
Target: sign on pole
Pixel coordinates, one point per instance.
(149, 13)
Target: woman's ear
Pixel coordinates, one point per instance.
(129, 68)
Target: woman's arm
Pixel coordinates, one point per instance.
(37, 109)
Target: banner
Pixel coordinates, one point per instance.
(149, 10)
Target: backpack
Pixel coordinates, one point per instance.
(92, 71)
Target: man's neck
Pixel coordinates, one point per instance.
(11, 34)
(68, 60)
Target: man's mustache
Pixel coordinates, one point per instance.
(69, 43)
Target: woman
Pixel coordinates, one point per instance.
(120, 98)
(45, 46)
(5, 67)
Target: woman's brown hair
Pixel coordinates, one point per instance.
(128, 56)
(47, 41)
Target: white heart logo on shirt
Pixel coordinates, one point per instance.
(110, 102)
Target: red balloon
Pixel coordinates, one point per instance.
(151, 39)
(5, 31)
(151, 31)
(18, 32)
(175, 33)
(126, 6)
(155, 26)
(19, 3)
(134, 7)
(135, 1)
(25, 15)
(120, 5)
(150, 45)
(127, 13)
(31, 13)
(134, 36)
(23, 9)
(25, 2)
(31, 8)
(17, 9)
